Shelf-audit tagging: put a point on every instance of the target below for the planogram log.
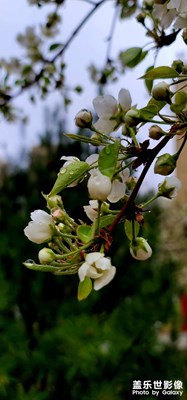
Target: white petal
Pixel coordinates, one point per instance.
(103, 263)
(105, 105)
(92, 158)
(99, 186)
(118, 191)
(125, 174)
(105, 278)
(92, 273)
(167, 19)
(90, 212)
(105, 125)
(92, 257)
(41, 216)
(69, 158)
(82, 272)
(180, 23)
(38, 232)
(124, 99)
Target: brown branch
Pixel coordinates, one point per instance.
(153, 153)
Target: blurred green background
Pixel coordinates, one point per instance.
(53, 347)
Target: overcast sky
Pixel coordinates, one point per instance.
(89, 45)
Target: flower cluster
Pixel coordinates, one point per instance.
(168, 11)
(80, 247)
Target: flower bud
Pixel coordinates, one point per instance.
(141, 18)
(132, 117)
(54, 201)
(178, 65)
(46, 256)
(140, 249)
(155, 132)
(165, 164)
(58, 214)
(161, 92)
(83, 119)
(99, 185)
(169, 187)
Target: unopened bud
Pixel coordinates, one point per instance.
(99, 186)
(141, 17)
(165, 164)
(58, 214)
(155, 132)
(54, 201)
(83, 119)
(46, 256)
(161, 92)
(132, 117)
(178, 65)
(140, 249)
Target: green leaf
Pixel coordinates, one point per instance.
(160, 73)
(129, 229)
(149, 82)
(68, 175)
(84, 288)
(180, 102)
(133, 56)
(85, 233)
(108, 158)
(105, 220)
(54, 46)
(148, 112)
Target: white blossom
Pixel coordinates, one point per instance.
(167, 13)
(99, 185)
(106, 107)
(140, 249)
(91, 210)
(39, 229)
(119, 186)
(97, 267)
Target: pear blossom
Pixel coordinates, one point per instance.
(169, 187)
(119, 186)
(91, 210)
(83, 118)
(169, 11)
(107, 106)
(97, 267)
(99, 185)
(140, 249)
(39, 230)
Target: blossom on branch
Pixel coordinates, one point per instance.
(97, 267)
(140, 249)
(39, 230)
(106, 108)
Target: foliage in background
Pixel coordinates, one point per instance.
(53, 347)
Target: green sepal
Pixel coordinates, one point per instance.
(40, 267)
(160, 73)
(85, 233)
(108, 158)
(129, 229)
(84, 288)
(68, 175)
(84, 139)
